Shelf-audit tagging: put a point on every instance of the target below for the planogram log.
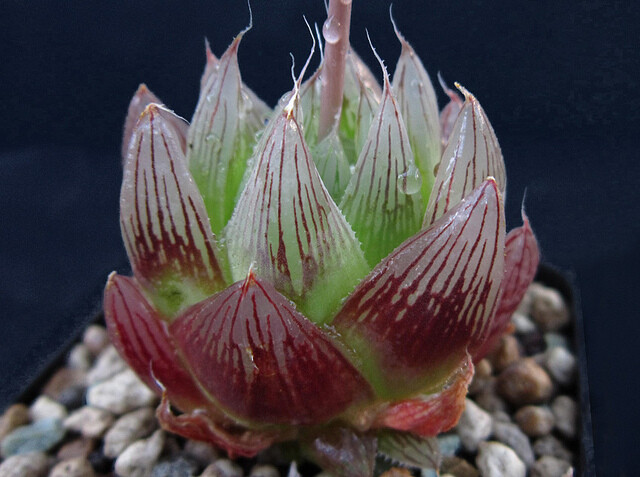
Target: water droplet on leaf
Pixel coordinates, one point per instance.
(410, 181)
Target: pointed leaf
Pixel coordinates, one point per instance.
(141, 338)
(263, 361)
(141, 99)
(430, 414)
(342, 452)
(472, 155)
(362, 96)
(211, 66)
(403, 448)
(382, 201)
(412, 318)
(287, 226)
(163, 220)
(222, 135)
(419, 108)
(449, 113)
(520, 266)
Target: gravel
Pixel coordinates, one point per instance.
(95, 417)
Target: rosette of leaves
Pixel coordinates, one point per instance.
(329, 288)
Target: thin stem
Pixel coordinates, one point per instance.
(336, 36)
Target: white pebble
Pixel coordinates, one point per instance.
(121, 393)
(108, 364)
(497, 460)
(548, 466)
(561, 365)
(96, 339)
(523, 324)
(79, 358)
(130, 427)
(89, 421)
(474, 426)
(44, 408)
(138, 459)
(32, 464)
(549, 309)
(511, 435)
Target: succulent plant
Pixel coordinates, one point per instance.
(324, 273)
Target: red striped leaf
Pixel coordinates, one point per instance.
(222, 135)
(262, 361)
(520, 265)
(287, 227)
(382, 201)
(163, 220)
(141, 338)
(472, 154)
(412, 318)
(141, 99)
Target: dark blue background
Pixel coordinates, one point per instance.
(559, 81)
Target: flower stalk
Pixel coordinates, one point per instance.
(336, 36)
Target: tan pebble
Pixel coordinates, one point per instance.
(565, 411)
(74, 467)
(458, 467)
(505, 353)
(80, 447)
(524, 382)
(44, 408)
(549, 310)
(89, 421)
(262, 470)
(32, 464)
(15, 416)
(396, 472)
(481, 376)
(551, 445)
(96, 339)
(535, 421)
(62, 380)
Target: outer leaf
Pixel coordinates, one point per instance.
(163, 220)
(382, 201)
(419, 108)
(361, 99)
(198, 425)
(263, 361)
(472, 155)
(412, 318)
(407, 449)
(211, 66)
(141, 99)
(521, 263)
(449, 113)
(222, 135)
(141, 338)
(430, 414)
(287, 226)
(343, 453)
